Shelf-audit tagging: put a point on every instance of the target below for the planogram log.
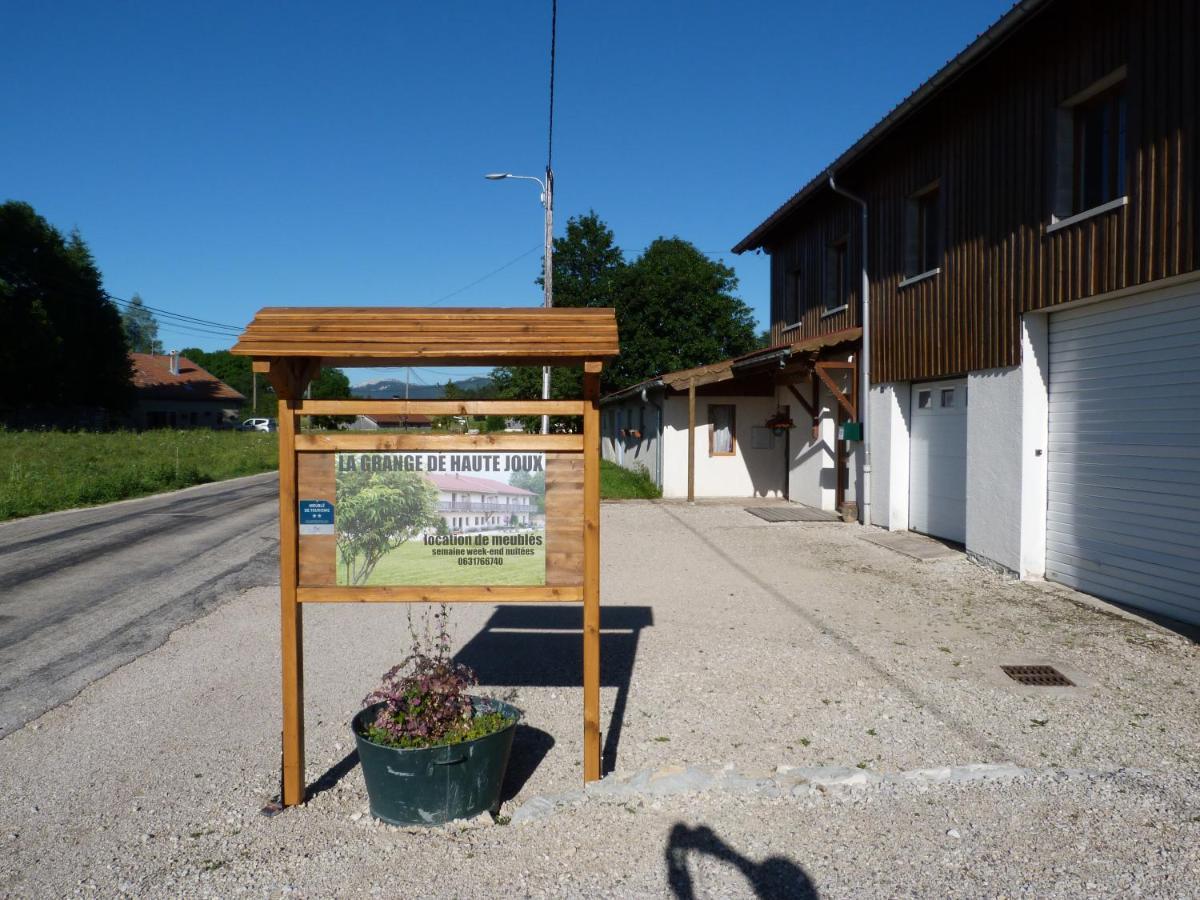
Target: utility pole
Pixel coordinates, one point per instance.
(548, 277)
(548, 201)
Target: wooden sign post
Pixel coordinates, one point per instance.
(561, 555)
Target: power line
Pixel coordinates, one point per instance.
(191, 321)
(553, 40)
(511, 262)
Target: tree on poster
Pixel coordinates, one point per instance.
(377, 511)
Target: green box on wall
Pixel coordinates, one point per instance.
(850, 431)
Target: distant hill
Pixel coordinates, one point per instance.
(385, 390)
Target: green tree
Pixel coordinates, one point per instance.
(141, 328)
(535, 483)
(677, 309)
(63, 344)
(587, 264)
(376, 512)
(588, 272)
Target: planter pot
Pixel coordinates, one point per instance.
(434, 785)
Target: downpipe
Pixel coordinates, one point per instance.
(864, 393)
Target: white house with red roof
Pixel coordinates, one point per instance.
(468, 503)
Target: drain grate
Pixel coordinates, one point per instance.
(1038, 676)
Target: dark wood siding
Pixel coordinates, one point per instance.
(990, 141)
(807, 249)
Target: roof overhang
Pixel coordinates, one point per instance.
(413, 336)
(757, 363)
(1001, 29)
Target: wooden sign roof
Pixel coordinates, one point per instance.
(380, 336)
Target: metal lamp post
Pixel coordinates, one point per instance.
(547, 199)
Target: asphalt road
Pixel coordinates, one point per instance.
(86, 591)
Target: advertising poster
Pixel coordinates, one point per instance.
(471, 518)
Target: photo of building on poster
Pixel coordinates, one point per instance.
(440, 518)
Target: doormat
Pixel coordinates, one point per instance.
(914, 545)
(793, 513)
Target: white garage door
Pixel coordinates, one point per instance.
(937, 482)
(1123, 512)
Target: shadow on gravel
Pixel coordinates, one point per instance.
(542, 646)
(333, 775)
(775, 878)
(530, 746)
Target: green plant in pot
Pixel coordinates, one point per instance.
(430, 751)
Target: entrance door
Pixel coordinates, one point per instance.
(937, 482)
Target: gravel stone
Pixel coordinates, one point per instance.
(787, 709)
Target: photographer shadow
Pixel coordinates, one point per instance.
(775, 878)
(538, 645)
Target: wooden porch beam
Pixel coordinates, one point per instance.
(692, 441)
(842, 399)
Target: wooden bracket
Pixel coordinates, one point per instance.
(843, 401)
(289, 377)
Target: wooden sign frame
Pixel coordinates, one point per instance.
(291, 345)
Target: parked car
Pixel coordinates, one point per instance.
(258, 425)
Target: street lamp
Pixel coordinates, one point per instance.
(547, 201)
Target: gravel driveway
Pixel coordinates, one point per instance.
(789, 710)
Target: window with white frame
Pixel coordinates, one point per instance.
(1091, 145)
(923, 232)
(837, 275)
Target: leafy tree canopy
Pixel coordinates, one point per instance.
(141, 328)
(63, 343)
(376, 513)
(676, 308)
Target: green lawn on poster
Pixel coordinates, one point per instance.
(413, 563)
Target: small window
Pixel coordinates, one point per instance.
(947, 398)
(722, 439)
(837, 293)
(923, 232)
(793, 297)
(1099, 150)
(924, 399)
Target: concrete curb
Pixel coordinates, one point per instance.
(785, 782)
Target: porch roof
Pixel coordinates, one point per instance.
(796, 353)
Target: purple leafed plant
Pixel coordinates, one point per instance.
(425, 699)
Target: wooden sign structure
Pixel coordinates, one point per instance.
(290, 345)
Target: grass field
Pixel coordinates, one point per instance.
(44, 471)
(618, 483)
(414, 563)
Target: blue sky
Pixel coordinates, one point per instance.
(220, 157)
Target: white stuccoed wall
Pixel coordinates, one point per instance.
(994, 506)
(751, 473)
(1034, 439)
(811, 477)
(889, 424)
